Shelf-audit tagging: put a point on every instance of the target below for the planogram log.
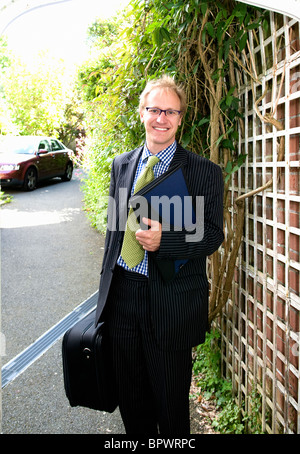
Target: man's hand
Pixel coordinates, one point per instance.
(150, 239)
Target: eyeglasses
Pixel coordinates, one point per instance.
(156, 112)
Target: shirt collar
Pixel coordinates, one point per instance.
(165, 155)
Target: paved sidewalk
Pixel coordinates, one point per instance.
(35, 403)
(50, 263)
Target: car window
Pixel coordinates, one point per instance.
(19, 145)
(44, 145)
(55, 145)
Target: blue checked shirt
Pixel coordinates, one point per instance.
(162, 166)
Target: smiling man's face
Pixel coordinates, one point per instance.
(160, 130)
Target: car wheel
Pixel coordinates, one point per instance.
(68, 173)
(30, 180)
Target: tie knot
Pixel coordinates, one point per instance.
(152, 161)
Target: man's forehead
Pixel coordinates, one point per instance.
(161, 93)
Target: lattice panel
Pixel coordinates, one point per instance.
(260, 326)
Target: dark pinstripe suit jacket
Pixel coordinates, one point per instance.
(179, 308)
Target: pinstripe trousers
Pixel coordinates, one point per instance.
(153, 384)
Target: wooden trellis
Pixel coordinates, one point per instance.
(260, 325)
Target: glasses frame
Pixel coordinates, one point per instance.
(165, 111)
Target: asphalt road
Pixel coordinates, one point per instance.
(50, 263)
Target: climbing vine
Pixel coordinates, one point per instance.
(204, 45)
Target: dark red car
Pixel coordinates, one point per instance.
(25, 160)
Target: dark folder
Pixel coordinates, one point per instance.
(166, 199)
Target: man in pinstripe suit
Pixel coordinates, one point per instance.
(154, 322)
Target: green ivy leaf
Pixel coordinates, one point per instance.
(203, 121)
(186, 140)
(243, 42)
(157, 37)
(227, 143)
(203, 7)
(165, 34)
(210, 29)
(228, 167)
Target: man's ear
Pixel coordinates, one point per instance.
(142, 115)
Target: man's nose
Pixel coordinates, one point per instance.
(162, 116)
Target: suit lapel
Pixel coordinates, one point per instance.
(180, 157)
(128, 170)
(124, 184)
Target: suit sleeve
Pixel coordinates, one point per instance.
(208, 234)
(110, 217)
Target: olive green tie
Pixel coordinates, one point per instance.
(132, 252)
